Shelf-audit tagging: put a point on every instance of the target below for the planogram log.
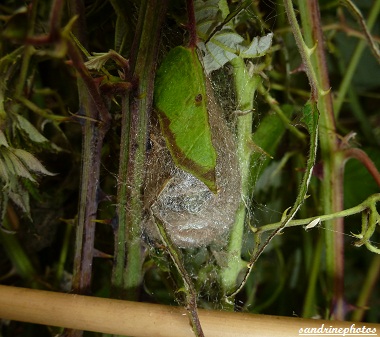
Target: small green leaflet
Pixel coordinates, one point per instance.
(33, 134)
(310, 116)
(226, 44)
(181, 102)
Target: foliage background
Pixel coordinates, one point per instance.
(39, 83)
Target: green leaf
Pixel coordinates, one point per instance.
(3, 140)
(4, 176)
(268, 136)
(226, 45)
(30, 130)
(17, 25)
(310, 116)
(31, 162)
(21, 198)
(15, 166)
(181, 102)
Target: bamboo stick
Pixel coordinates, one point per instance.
(144, 319)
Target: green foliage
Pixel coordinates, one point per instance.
(226, 44)
(181, 102)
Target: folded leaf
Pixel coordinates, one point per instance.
(181, 102)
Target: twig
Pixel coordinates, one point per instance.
(191, 295)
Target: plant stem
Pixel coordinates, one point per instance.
(276, 108)
(10, 244)
(309, 306)
(367, 288)
(327, 217)
(28, 51)
(191, 25)
(94, 108)
(191, 295)
(245, 88)
(93, 135)
(127, 272)
(332, 183)
(303, 49)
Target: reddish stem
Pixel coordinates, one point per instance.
(191, 25)
(365, 160)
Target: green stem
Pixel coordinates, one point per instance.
(127, 273)
(327, 217)
(19, 258)
(276, 108)
(309, 306)
(303, 49)
(332, 183)
(245, 88)
(64, 252)
(28, 51)
(367, 288)
(45, 113)
(120, 245)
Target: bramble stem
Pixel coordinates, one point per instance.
(127, 272)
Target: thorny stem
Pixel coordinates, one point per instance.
(311, 119)
(45, 113)
(55, 17)
(303, 49)
(77, 7)
(92, 105)
(314, 62)
(127, 272)
(348, 30)
(333, 162)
